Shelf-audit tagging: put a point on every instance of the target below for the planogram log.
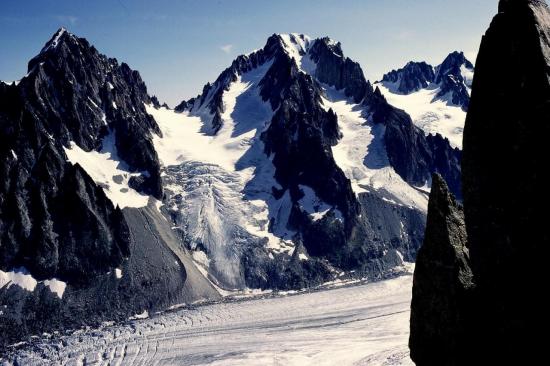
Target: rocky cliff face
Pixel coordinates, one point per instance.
(504, 217)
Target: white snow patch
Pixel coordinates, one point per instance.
(429, 114)
(200, 257)
(143, 315)
(297, 47)
(302, 257)
(118, 273)
(361, 154)
(20, 277)
(56, 286)
(13, 154)
(55, 41)
(108, 171)
(114, 105)
(314, 206)
(467, 74)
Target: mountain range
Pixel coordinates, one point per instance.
(288, 171)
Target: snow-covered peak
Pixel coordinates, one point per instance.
(452, 65)
(297, 47)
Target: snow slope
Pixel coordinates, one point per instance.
(220, 185)
(109, 172)
(428, 113)
(361, 154)
(359, 325)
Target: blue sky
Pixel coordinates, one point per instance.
(179, 45)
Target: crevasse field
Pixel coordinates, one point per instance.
(364, 324)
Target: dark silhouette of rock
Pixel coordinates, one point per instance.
(505, 205)
(442, 282)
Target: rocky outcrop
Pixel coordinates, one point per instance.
(443, 282)
(338, 71)
(413, 77)
(505, 205)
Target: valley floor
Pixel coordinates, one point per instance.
(359, 325)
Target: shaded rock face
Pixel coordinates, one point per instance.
(501, 322)
(442, 282)
(338, 71)
(413, 77)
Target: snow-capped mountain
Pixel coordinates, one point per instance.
(437, 98)
(288, 171)
(295, 163)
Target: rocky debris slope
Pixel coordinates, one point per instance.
(505, 218)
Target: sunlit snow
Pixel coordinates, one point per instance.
(428, 113)
(109, 172)
(361, 154)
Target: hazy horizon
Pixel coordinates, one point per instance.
(178, 46)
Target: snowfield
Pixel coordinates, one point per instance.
(428, 113)
(360, 325)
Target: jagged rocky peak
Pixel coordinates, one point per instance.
(454, 77)
(451, 81)
(72, 99)
(413, 77)
(505, 219)
(82, 96)
(456, 64)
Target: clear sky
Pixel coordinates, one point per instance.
(179, 45)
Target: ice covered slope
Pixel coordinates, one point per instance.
(242, 164)
(359, 325)
(436, 98)
(430, 114)
(361, 154)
